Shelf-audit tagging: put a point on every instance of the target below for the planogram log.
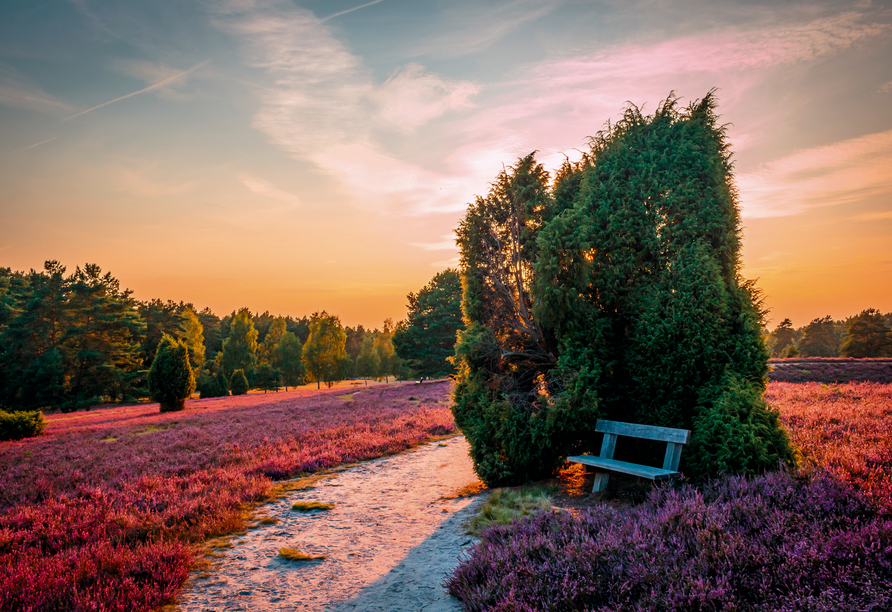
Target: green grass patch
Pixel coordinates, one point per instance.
(292, 554)
(506, 505)
(268, 520)
(109, 439)
(310, 506)
(149, 429)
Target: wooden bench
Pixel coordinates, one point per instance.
(674, 438)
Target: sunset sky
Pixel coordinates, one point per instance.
(308, 155)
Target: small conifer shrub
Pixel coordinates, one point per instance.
(18, 425)
(238, 384)
(171, 380)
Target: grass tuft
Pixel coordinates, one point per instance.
(268, 520)
(310, 506)
(292, 554)
(506, 505)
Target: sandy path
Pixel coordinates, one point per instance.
(388, 542)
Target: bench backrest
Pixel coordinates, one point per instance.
(646, 432)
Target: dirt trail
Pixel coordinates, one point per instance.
(389, 541)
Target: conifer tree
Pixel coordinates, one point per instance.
(193, 337)
(820, 338)
(239, 382)
(782, 337)
(867, 335)
(171, 380)
(426, 340)
(614, 294)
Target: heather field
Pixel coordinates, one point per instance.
(818, 539)
(107, 509)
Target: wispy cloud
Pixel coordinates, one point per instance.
(839, 173)
(412, 97)
(879, 216)
(266, 189)
(18, 91)
(886, 88)
(161, 83)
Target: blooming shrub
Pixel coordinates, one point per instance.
(768, 543)
(820, 539)
(842, 429)
(92, 516)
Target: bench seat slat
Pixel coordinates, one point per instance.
(646, 432)
(645, 471)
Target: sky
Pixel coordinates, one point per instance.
(306, 155)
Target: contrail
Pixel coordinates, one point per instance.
(355, 8)
(144, 90)
(37, 144)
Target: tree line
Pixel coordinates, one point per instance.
(867, 334)
(69, 341)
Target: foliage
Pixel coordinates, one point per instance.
(614, 292)
(287, 358)
(367, 359)
(867, 335)
(388, 362)
(324, 357)
(171, 380)
(240, 347)
(110, 526)
(783, 337)
(820, 338)
(310, 506)
(292, 554)
(238, 383)
(426, 339)
(193, 337)
(506, 505)
(267, 378)
(211, 385)
(18, 425)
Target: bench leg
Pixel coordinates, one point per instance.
(601, 479)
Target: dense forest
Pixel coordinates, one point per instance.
(867, 334)
(69, 341)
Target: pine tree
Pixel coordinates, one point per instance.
(426, 340)
(819, 338)
(171, 380)
(867, 335)
(287, 358)
(782, 337)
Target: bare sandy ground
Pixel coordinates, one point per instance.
(389, 541)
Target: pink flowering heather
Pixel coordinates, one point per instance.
(104, 511)
(817, 540)
(844, 429)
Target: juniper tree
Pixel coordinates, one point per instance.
(616, 293)
(171, 380)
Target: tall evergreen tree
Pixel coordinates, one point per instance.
(171, 380)
(867, 335)
(427, 339)
(615, 294)
(820, 338)
(783, 336)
